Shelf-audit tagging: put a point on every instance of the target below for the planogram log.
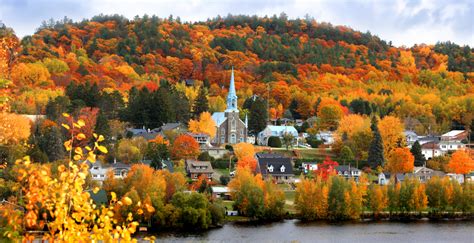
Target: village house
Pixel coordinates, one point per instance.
(276, 131)
(411, 137)
(230, 128)
(99, 170)
(222, 192)
(195, 169)
(384, 178)
(203, 139)
(276, 166)
(431, 150)
(348, 171)
(309, 166)
(424, 174)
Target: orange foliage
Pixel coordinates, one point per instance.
(185, 147)
(400, 161)
(461, 163)
(13, 128)
(205, 124)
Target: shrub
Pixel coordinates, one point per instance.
(274, 142)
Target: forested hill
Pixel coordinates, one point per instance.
(297, 64)
(261, 49)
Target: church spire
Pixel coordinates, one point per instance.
(232, 96)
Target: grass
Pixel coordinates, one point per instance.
(223, 171)
(228, 204)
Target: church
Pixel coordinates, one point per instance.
(230, 128)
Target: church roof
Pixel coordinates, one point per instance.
(219, 118)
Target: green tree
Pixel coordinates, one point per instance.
(288, 140)
(376, 157)
(258, 114)
(51, 143)
(346, 154)
(157, 153)
(201, 103)
(102, 127)
(274, 142)
(419, 157)
(338, 206)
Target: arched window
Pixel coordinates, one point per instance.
(233, 138)
(233, 124)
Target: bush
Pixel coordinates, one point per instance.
(314, 142)
(229, 147)
(220, 164)
(224, 180)
(274, 142)
(204, 156)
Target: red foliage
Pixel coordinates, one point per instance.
(328, 167)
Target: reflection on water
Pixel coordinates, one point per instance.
(295, 231)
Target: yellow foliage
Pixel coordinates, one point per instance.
(14, 128)
(205, 124)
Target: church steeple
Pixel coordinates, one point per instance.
(232, 96)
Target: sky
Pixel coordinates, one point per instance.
(404, 22)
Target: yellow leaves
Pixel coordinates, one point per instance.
(101, 138)
(31, 218)
(65, 115)
(127, 201)
(78, 150)
(66, 126)
(77, 157)
(96, 190)
(102, 149)
(80, 136)
(91, 157)
(81, 123)
(68, 145)
(114, 196)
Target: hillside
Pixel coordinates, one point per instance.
(301, 60)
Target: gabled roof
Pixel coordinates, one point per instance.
(193, 165)
(453, 133)
(430, 145)
(278, 129)
(170, 126)
(343, 168)
(410, 133)
(277, 162)
(219, 118)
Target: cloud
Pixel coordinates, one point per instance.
(404, 22)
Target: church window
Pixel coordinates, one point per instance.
(233, 138)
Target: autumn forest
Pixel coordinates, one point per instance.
(75, 95)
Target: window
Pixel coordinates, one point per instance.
(222, 139)
(96, 167)
(95, 176)
(270, 168)
(233, 124)
(195, 175)
(241, 139)
(233, 138)
(242, 132)
(223, 132)
(282, 168)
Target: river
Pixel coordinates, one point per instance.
(295, 231)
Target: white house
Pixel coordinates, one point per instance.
(277, 131)
(446, 146)
(454, 136)
(348, 171)
(325, 136)
(458, 177)
(411, 137)
(99, 170)
(431, 150)
(309, 166)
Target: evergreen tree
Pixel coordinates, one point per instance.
(258, 115)
(56, 107)
(416, 152)
(157, 153)
(51, 143)
(102, 126)
(293, 109)
(376, 156)
(201, 103)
